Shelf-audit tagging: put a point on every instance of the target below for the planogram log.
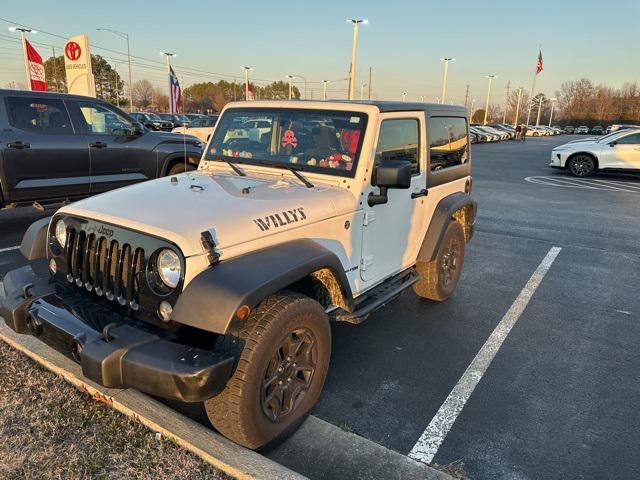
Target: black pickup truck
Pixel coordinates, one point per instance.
(56, 147)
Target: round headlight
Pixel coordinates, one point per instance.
(61, 233)
(169, 268)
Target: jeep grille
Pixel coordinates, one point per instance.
(105, 266)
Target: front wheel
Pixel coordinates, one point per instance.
(286, 347)
(581, 166)
(180, 168)
(439, 278)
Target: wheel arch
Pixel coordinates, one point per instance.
(460, 207)
(211, 300)
(175, 158)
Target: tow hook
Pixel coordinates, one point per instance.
(106, 332)
(77, 346)
(25, 290)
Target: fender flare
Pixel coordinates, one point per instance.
(34, 241)
(170, 158)
(211, 299)
(443, 213)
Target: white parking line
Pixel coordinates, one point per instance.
(591, 184)
(8, 249)
(429, 442)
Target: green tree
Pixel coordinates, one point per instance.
(109, 85)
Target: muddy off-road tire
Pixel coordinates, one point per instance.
(439, 278)
(285, 352)
(180, 168)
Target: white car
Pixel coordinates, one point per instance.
(616, 151)
(582, 129)
(201, 127)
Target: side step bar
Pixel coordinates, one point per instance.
(378, 297)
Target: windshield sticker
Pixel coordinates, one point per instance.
(289, 138)
(354, 120)
(280, 219)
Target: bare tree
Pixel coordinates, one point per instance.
(142, 92)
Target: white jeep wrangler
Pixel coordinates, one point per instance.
(218, 285)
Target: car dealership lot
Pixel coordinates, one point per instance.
(560, 397)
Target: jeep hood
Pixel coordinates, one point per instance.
(234, 209)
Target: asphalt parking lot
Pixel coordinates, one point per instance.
(560, 399)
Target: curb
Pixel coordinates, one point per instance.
(211, 447)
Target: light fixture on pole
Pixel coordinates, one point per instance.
(486, 105)
(515, 119)
(324, 88)
(126, 37)
(352, 72)
(553, 102)
(446, 61)
(23, 38)
(290, 77)
(246, 81)
(404, 96)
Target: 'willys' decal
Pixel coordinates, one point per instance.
(280, 219)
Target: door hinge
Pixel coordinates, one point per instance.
(369, 216)
(366, 262)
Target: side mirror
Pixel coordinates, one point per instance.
(136, 130)
(613, 144)
(390, 174)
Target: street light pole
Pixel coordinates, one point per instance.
(540, 102)
(553, 102)
(324, 88)
(473, 102)
(362, 85)
(404, 96)
(486, 105)
(23, 38)
(352, 74)
(446, 61)
(515, 119)
(290, 77)
(246, 81)
(168, 56)
(126, 37)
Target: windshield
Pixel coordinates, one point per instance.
(610, 136)
(314, 140)
(153, 116)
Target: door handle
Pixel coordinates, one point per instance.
(98, 145)
(18, 145)
(421, 193)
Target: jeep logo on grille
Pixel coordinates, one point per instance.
(280, 219)
(107, 232)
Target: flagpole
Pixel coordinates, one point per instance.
(533, 86)
(26, 59)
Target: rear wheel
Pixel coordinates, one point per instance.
(286, 346)
(581, 166)
(180, 168)
(439, 278)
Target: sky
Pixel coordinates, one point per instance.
(402, 43)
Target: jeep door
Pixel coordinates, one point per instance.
(44, 155)
(118, 157)
(393, 231)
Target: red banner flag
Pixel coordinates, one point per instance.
(36, 69)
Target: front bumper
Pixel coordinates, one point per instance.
(113, 351)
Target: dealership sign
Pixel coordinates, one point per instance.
(77, 62)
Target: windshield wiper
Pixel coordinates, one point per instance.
(233, 166)
(291, 168)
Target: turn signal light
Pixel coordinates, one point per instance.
(243, 312)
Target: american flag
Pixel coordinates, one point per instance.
(539, 62)
(175, 93)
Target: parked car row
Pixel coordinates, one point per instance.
(200, 126)
(502, 131)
